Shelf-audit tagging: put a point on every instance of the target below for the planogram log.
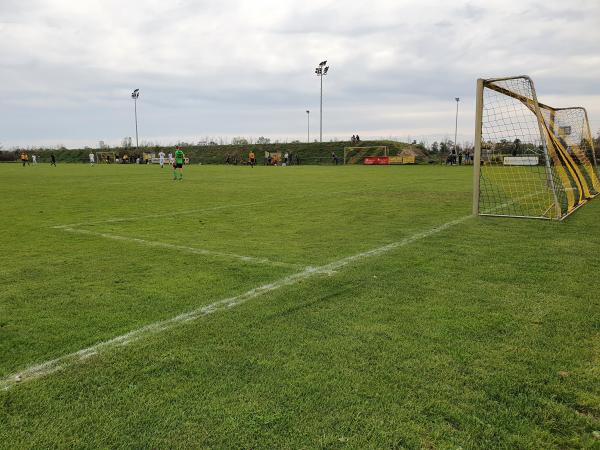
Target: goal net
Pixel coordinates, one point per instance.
(357, 155)
(105, 157)
(531, 160)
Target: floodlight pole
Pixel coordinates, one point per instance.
(321, 71)
(321, 113)
(456, 126)
(308, 126)
(134, 95)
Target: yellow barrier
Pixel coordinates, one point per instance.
(402, 160)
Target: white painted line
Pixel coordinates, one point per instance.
(156, 216)
(54, 365)
(192, 211)
(194, 250)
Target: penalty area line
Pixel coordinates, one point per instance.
(188, 211)
(156, 216)
(52, 366)
(193, 250)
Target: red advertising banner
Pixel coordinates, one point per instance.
(376, 160)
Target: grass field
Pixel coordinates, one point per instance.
(298, 307)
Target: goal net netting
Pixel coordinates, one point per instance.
(531, 160)
(105, 157)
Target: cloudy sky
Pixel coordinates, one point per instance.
(224, 68)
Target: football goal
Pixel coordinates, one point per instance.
(531, 160)
(105, 157)
(357, 155)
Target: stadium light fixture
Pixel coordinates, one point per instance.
(321, 70)
(135, 95)
(456, 126)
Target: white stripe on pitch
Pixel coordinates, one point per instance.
(62, 362)
(156, 216)
(194, 250)
(190, 211)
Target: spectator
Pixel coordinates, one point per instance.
(297, 159)
(357, 139)
(460, 158)
(286, 157)
(353, 140)
(334, 158)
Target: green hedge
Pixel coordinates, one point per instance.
(309, 153)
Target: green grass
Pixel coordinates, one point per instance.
(483, 335)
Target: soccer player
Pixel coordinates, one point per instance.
(34, 159)
(24, 158)
(178, 165)
(170, 158)
(92, 159)
(252, 159)
(161, 159)
(52, 160)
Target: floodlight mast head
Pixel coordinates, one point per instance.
(135, 94)
(321, 71)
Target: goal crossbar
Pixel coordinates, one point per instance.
(531, 159)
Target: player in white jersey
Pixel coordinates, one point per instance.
(34, 159)
(92, 159)
(171, 160)
(161, 159)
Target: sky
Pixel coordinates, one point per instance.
(218, 69)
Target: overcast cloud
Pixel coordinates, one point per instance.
(246, 68)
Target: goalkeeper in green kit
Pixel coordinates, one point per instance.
(178, 163)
